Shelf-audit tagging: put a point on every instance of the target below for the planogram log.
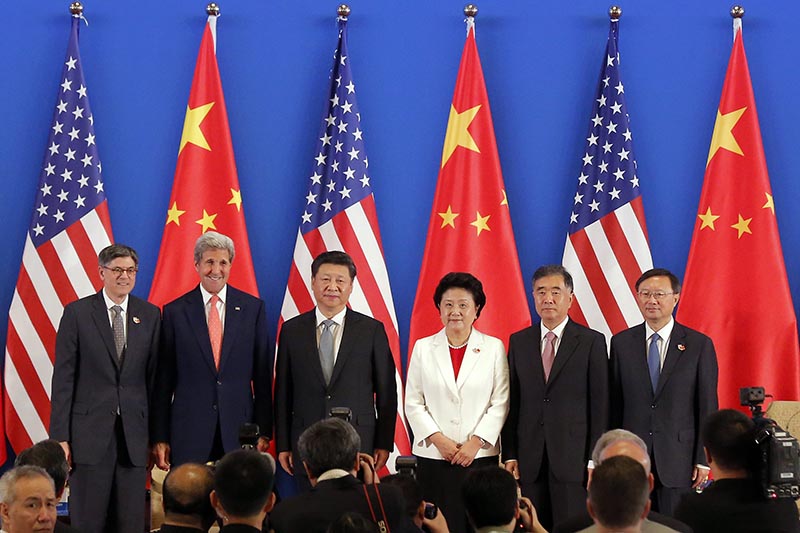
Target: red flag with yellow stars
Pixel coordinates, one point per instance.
(735, 289)
(205, 193)
(470, 226)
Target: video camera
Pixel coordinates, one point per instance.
(777, 467)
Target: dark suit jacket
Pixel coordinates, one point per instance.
(90, 383)
(61, 527)
(364, 367)
(313, 511)
(736, 505)
(192, 396)
(177, 529)
(568, 413)
(668, 420)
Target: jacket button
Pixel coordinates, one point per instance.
(652, 406)
(219, 382)
(214, 407)
(327, 396)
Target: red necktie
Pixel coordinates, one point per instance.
(215, 329)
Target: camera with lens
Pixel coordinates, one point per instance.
(248, 436)
(777, 459)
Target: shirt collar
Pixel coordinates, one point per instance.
(111, 303)
(664, 332)
(338, 318)
(207, 295)
(334, 473)
(558, 330)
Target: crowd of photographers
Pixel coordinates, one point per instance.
(237, 493)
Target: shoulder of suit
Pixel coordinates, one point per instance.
(242, 295)
(299, 320)
(530, 330)
(630, 332)
(581, 330)
(143, 304)
(360, 317)
(689, 332)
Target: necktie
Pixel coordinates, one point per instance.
(119, 329)
(215, 329)
(548, 354)
(326, 349)
(654, 360)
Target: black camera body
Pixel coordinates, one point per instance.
(777, 467)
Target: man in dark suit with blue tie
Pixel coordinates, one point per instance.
(106, 355)
(330, 357)
(215, 370)
(663, 386)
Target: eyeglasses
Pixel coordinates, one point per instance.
(118, 270)
(659, 295)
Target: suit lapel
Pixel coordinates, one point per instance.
(350, 337)
(196, 316)
(442, 361)
(308, 345)
(230, 331)
(471, 357)
(101, 321)
(678, 338)
(566, 347)
(639, 349)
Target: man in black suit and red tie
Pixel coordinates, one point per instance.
(106, 350)
(330, 357)
(215, 369)
(558, 404)
(663, 386)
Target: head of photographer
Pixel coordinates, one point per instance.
(735, 501)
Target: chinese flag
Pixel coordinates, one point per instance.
(470, 226)
(205, 193)
(735, 289)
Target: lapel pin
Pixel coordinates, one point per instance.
(476, 350)
(238, 308)
(681, 347)
(135, 320)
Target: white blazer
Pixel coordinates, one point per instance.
(474, 404)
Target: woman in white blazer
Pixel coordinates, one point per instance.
(456, 397)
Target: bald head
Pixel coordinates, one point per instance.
(628, 449)
(186, 494)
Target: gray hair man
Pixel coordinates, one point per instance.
(27, 500)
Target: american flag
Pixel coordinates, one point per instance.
(70, 225)
(607, 247)
(340, 214)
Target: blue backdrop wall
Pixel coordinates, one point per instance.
(541, 63)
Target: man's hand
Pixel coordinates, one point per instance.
(437, 524)
(466, 453)
(285, 459)
(263, 444)
(513, 467)
(528, 517)
(161, 453)
(446, 446)
(65, 446)
(381, 456)
(699, 476)
(368, 467)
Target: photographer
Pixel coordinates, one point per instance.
(423, 515)
(734, 502)
(494, 504)
(329, 450)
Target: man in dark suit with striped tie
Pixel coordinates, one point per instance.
(663, 385)
(106, 349)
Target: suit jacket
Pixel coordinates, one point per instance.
(313, 511)
(568, 413)
(474, 404)
(192, 396)
(736, 505)
(90, 384)
(669, 419)
(61, 527)
(363, 379)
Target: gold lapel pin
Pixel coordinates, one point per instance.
(135, 320)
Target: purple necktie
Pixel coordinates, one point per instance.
(548, 354)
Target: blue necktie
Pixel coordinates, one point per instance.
(326, 349)
(654, 360)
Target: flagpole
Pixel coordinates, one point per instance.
(737, 12)
(615, 12)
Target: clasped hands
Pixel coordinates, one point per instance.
(456, 453)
